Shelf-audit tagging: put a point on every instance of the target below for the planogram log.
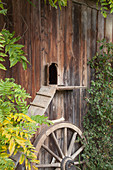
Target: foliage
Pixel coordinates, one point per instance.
(15, 136)
(41, 119)
(9, 48)
(12, 98)
(98, 122)
(16, 128)
(2, 10)
(54, 3)
(6, 162)
(106, 5)
(59, 2)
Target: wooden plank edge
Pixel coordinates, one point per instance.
(43, 95)
(70, 88)
(37, 105)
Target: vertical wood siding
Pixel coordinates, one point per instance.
(66, 37)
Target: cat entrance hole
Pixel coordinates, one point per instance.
(53, 73)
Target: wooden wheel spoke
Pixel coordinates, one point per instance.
(57, 153)
(54, 165)
(77, 152)
(71, 144)
(52, 153)
(53, 160)
(57, 145)
(65, 141)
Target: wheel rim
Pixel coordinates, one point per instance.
(60, 152)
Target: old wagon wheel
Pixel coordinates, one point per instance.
(63, 151)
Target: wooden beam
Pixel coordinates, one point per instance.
(63, 88)
(88, 3)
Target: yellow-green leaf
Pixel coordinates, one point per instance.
(35, 161)
(8, 136)
(22, 159)
(11, 146)
(4, 155)
(26, 135)
(4, 132)
(35, 167)
(21, 134)
(17, 132)
(29, 166)
(28, 118)
(26, 163)
(20, 142)
(15, 152)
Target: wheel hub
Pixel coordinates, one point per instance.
(67, 164)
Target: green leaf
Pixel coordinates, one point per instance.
(1, 45)
(3, 54)
(3, 11)
(101, 47)
(1, 6)
(104, 14)
(111, 10)
(24, 65)
(2, 59)
(19, 46)
(13, 62)
(31, 3)
(2, 67)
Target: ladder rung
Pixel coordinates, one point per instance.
(33, 104)
(43, 94)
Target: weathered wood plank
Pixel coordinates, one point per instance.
(69, 88)
(100, 29)
(76, 44)
(83, 63)
(108, 28)
(42, 100)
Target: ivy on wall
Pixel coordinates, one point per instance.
(98, 122)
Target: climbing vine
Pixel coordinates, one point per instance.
(98, 122)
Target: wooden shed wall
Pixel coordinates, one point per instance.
(66, 37)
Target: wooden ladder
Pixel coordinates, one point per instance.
(42, 100)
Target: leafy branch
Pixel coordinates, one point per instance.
(106, 6)
(10, 48)
(16, 128)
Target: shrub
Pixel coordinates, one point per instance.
(16, 128)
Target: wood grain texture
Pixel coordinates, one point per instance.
(67, 37)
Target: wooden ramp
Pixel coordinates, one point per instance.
(42, 100)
